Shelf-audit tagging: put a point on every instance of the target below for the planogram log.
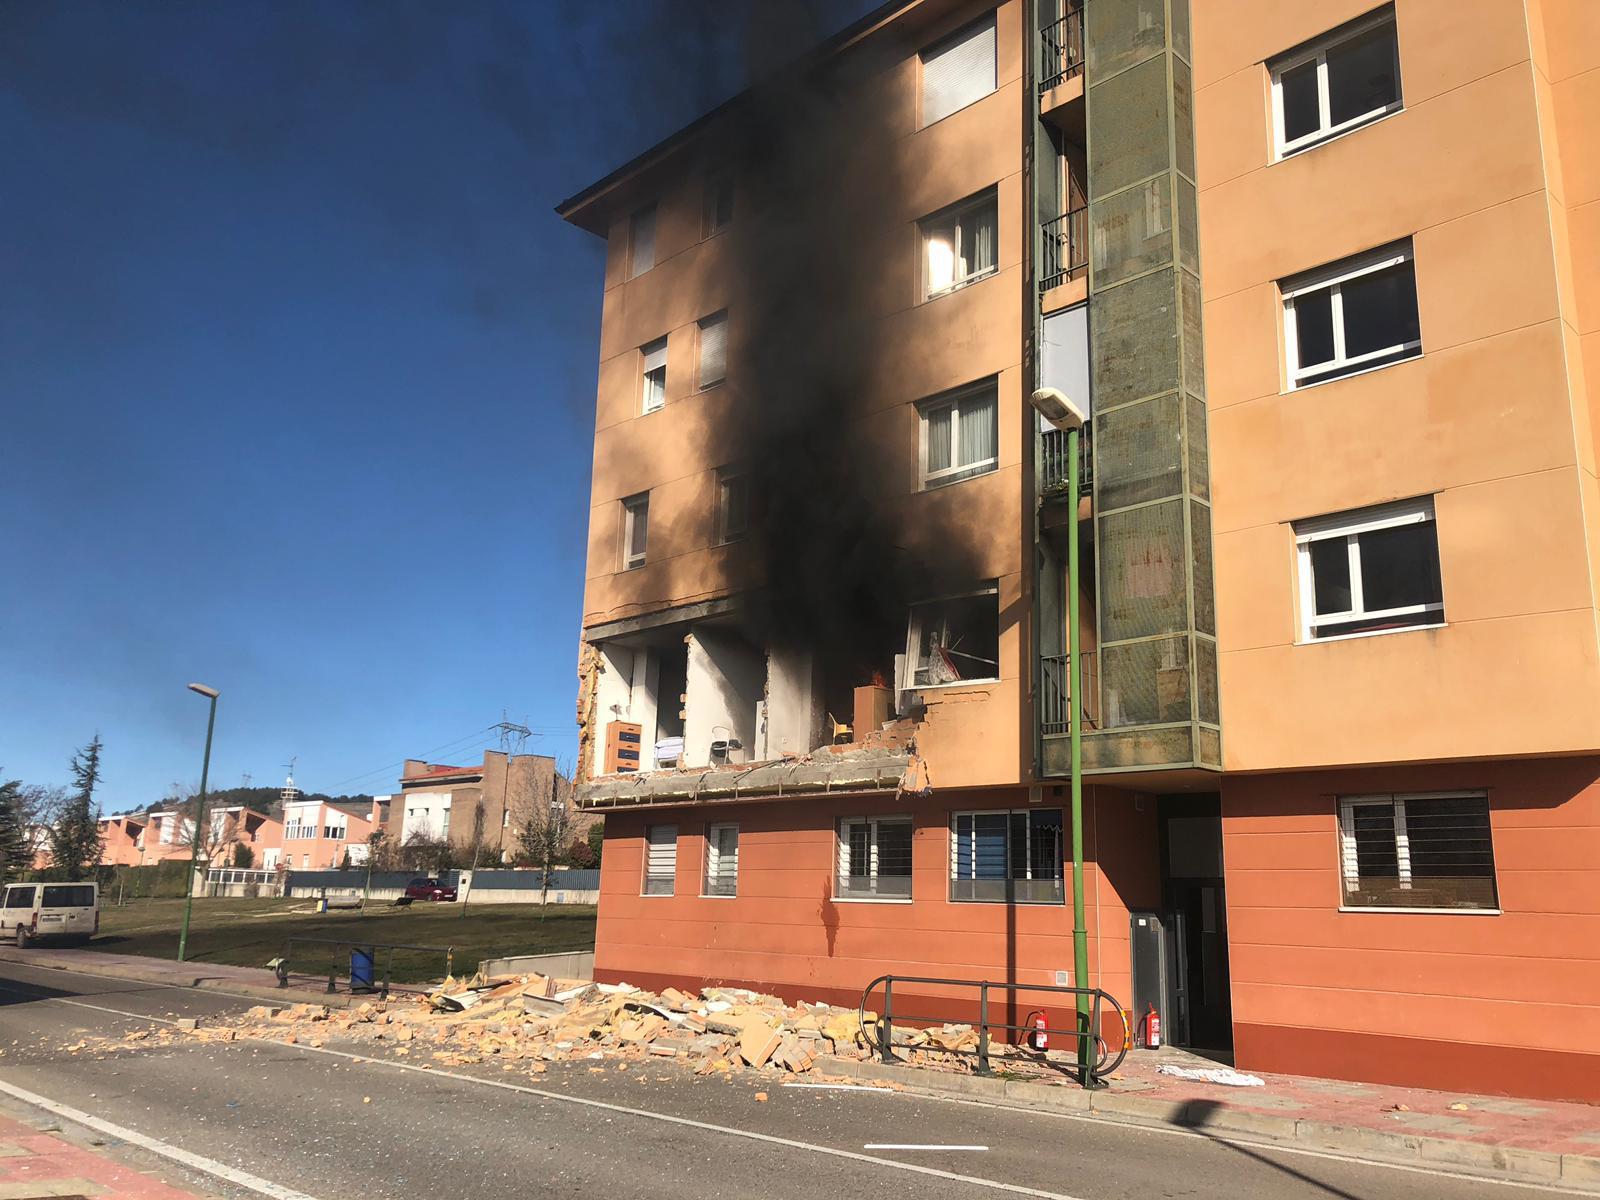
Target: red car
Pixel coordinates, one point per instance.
(429, 889)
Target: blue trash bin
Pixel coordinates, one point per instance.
(361, 969)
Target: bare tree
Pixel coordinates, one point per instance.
(544, 827)
(220, 833)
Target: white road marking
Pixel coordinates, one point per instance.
(198, 1162)
(1111, 1120)
(842, 1087)
(915, 1146)
(1014, 1189)
(84, 1004)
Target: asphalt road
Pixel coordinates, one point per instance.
(331, 1125)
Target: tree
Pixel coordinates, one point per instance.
(243, 857)
(16, 844)
(545, 829)
(597, 840)
(220, 835)
(76, 843)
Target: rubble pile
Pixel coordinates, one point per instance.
(532, 1020)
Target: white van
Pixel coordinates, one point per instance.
(33, 911)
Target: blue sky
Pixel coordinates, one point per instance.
(297, 369)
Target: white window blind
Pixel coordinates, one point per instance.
(661, 859)
(722, 860)
(653, 373)
(713, 349)
(642, 241)
(958, 71)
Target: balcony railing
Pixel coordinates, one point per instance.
(1063, 49)
(1055, 693)
(1053, 462)
(1064, 249)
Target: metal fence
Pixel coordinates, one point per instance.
(1062, 46)
(1064, 248)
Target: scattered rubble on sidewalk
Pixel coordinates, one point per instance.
(531, 1021)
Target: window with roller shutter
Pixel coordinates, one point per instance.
(958, 71)
(713, 365)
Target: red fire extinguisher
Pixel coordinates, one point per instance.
(1152, 1029)
(1040, 1037)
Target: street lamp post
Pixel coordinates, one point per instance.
(1062, 413)
(199, 818)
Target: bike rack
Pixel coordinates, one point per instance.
(1095, 1067)
(281, 965)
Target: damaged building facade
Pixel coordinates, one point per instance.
(1324, 277)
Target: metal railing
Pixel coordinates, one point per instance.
(1062, 47)
(1064, 248)
(1105, 1058)
(1053, 464)
(281, 965)
(1055, 693)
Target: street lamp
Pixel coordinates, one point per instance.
(1061, 412)
(199, 818)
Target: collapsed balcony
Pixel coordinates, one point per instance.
(684, 705)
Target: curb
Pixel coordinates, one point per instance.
(1577, 1171)
(203, 983)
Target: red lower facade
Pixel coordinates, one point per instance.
(1503, 1001)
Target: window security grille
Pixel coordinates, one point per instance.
(661, 860)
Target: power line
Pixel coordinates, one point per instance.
(483, 736)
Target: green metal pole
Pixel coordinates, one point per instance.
(1080, 934)
(194, 838)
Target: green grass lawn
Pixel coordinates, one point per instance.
(247, 933)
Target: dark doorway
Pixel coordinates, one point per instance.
(1201, 1008)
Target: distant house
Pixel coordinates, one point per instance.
(317, 834)
(466, 804)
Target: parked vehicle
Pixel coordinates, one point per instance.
(68, 912)
(429, 889)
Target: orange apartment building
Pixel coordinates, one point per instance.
(1327, 280)
(141, 839)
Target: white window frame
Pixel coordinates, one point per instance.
(634, 218)
(646, 878)
(988, 390)
(1331, 278)
(1027, 876)
(1349, 860)
(914, 640)
(1349, 526)
(700, 382)
(633, 559)
(726, 534)
(714, 865)
(652, 399)
(841, 859)
(957, 214)
(1317, 52)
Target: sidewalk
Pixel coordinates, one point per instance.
(35, 1164)
(1529, 1140)
(254, 982)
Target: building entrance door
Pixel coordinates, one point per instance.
(1201, 1005)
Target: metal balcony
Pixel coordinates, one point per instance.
(1055, 693)
(1062, 49)
(1053, 463)
(1064, 248)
